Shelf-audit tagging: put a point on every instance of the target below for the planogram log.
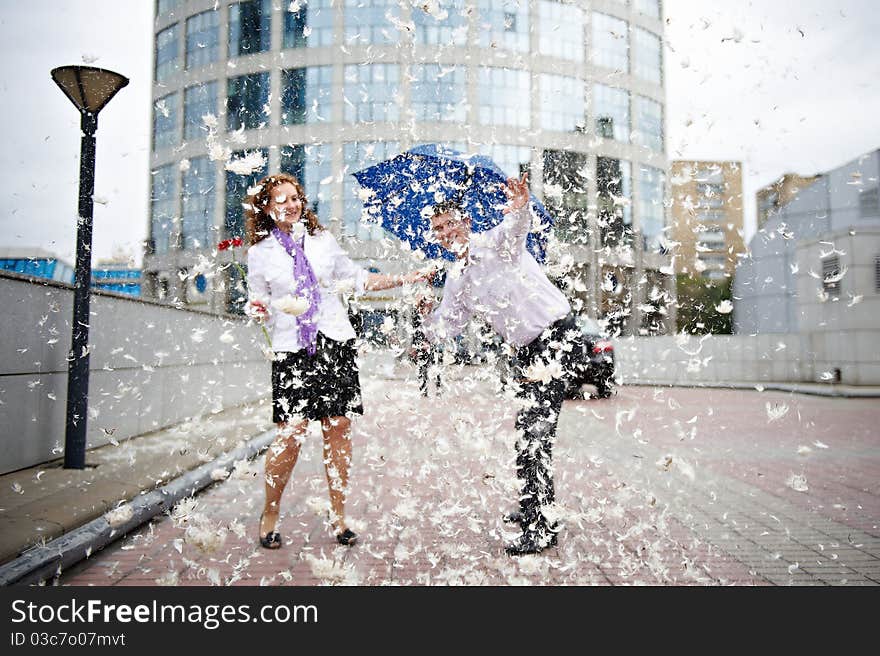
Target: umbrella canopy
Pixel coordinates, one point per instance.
(400, 193)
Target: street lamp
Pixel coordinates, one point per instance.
(89, 89)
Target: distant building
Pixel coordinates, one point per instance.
(778, 194)
(814, 266)
(35, 262)
(117, 276)
(707, 217)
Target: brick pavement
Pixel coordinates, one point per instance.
(432, 476)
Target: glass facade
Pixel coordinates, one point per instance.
(163, 209)
(648, 56)
(167, 44)
(372, 21)
(565, 194)
(503, 24)
(359, 155)
(250, 27)
(246, 98)
(198, 101)
(371, 93)
(446, 27)
(236, 193)
(504, 97)
(651, 206)
(312, 166)
(562, 103)
(614, 201)
(648, 7)
(306, 94)
(611, 112)
(166, 127)
(513, 160)
(561, 30)
(311, 25)
(610, 47)
(437, 93)
(202, 39)
(164, 6)
(649, 123)
(199, 198)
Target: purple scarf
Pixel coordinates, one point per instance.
(306, 285)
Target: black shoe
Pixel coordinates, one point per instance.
(272, 540)
(347, 537)
(514, 517)
(530, 543)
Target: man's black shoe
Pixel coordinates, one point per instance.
(514, 517)
(528, 543)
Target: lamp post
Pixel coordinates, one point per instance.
(89, 89)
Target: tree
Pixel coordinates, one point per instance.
(698, 299)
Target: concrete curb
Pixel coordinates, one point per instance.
(43, 562)
(814, 390)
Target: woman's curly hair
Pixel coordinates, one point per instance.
(258, 222)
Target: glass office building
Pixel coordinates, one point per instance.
(571, 91)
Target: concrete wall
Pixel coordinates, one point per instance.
(152, 366)
(780, 358)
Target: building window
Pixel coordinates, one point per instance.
(561, 30)
(250, 27)
(311, 165)
(202, 39)
(247, 101)
(565, 194)
(562, 103)
(372, 21)
(614, 201)
(711, 216)
(165, 124)
(359, 155)
(648, 7)
(311, 25)
(649, 123)
(306, 94)
(236, 192)
(711, 239)
(163, 209)
(199, 198)
(648, 57)
(651, 208)
(611, 112)
(877, 274)
(513, 160)
(504, 97)
(504, 24)
(610, 43)
(166, 52)
(198, 101)
(371, 93)
(438, 93)
(831, 276)
(446, 27)
(710, 194)
(869, 203)
(165, 6)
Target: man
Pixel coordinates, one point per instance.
(497, 278)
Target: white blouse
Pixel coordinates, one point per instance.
(270, 277)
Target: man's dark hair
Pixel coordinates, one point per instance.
(447, 206)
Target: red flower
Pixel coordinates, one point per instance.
(236, 242)
(223, 245)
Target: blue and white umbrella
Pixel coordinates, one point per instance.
(400, 193)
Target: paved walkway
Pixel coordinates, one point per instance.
(657, 486)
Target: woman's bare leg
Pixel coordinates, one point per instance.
(337, 461)
(280, 460)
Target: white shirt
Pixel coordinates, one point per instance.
(500, 281)
(270, 277)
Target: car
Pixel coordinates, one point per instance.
(594, 364)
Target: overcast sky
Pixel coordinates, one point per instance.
(780, 85)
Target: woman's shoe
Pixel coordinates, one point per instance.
(347, 537)
(271, 540)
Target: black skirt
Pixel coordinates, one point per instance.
(317, 386)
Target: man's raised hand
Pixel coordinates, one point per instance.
(517, 192)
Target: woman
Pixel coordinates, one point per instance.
(295, 272)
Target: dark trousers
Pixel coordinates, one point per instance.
(426, 359)
(536, 423)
